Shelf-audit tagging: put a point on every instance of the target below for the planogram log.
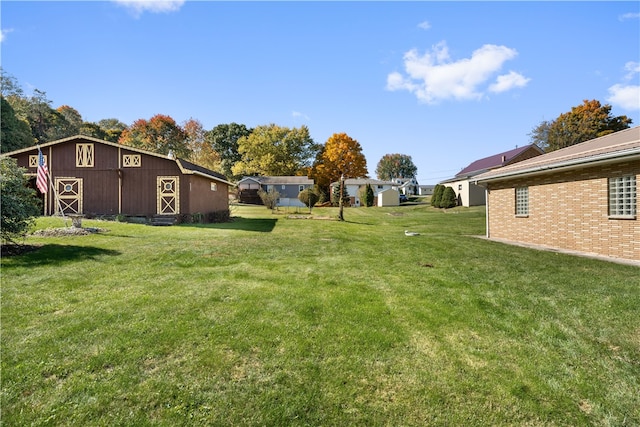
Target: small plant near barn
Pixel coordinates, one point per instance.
(19, 203)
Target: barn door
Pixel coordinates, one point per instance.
(69, 195)
(168, 195)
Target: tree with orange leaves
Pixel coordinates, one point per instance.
(340, 156)
(159, 134)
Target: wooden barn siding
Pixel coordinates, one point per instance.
(200, 197)
(567, 210)
(139, 184)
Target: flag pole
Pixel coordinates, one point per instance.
(52, 187)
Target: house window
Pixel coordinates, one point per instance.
(622, 197)
(131, 160)
(522, 201)
(284, 187)
(459, 187)
(214, 186)
(84, 155)
(300, 188)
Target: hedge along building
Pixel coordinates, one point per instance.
(92, 177)
(581, 198)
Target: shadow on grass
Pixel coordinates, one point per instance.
(57, 254)
(263, 225)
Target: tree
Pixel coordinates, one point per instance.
(436, 197)
(92, 129)
(393, 166)
(275, 150)
(201, 151)
(19, 203)
(72, 117)
(309, 197)
(448, 199)
(14, 133)
(113, 129)
(223, 139)
(340, 156)
(367, 196)
(159, 134)
(584, 122)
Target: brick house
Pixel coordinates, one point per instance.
(581, 198)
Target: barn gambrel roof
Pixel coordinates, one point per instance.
(185, 166)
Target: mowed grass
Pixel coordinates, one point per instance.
(275, 321)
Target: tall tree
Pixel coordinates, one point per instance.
(584, 122)
(275, 150)
(113, 129)
(159, 134)
(340, 155)
(223, 139)
(201, 151)
(15, 133)
(72, 116)
(393, 166)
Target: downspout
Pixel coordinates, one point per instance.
(486, 216)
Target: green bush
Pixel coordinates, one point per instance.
(269, 198)
(309, 197)
(449, 199)
(437, 195)
(19, 204)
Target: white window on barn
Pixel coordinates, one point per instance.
(214, 186)
(522, 201)
(33, 161)
(622, 196)
(84, 155)
(131, 161)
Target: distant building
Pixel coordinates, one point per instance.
(471, 194)
(287, 186)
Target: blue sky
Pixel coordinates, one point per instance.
(444, 82)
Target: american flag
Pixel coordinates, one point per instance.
(41, 182)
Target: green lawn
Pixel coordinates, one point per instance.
(275, 321)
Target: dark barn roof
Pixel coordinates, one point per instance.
(495, 161)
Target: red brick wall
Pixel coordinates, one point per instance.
(567, 210)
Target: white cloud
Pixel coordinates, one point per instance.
(3, 34)
(434, 76)
(625, 96)
(630, 15)
(298, 114)
(138, 7)
(632, 69)
(424, 25)
(509, 81)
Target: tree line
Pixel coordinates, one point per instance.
(232, 149)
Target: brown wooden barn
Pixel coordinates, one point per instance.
(93, 177)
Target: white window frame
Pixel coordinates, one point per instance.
(622, 192)
(522, 201)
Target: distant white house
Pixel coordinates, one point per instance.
(407, 186)
(425, 190)
(354, 186)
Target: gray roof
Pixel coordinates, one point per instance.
(279, 180)
(619, 146)
(365, 181)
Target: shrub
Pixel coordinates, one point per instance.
(369, 197)
(19, 203)
(309, 197)
(448, 199)
(437, 195)
(269, 198)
